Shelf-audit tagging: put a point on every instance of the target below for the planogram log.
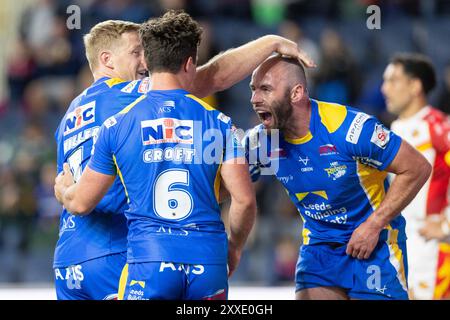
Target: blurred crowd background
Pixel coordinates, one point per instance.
(43, 67)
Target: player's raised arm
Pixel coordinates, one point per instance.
(412, 171)
(242, 213)
(81, 197)
(232, 66)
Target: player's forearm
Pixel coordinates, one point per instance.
(232, 66)
(402, 191)
(72, 203)
(242, 217)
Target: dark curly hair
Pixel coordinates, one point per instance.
(169, 41)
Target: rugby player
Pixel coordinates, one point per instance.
(408, 79)
(334, 160)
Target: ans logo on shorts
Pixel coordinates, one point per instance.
(80, 117)
(167, 130)
(380, 136)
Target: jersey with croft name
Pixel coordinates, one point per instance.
(335, 174)
(167, 147)
(103, 231)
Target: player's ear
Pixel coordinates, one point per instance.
(106, 59)
(297, 93)
(416, 87)
(189, 65)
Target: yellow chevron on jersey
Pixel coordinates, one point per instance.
(201, 102)
(114, 81)
(332, 115)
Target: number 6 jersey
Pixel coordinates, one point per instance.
(167, 148)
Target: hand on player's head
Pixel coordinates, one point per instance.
(291, 49)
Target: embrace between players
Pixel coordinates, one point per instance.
(141, 187)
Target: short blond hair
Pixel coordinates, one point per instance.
(103, 36)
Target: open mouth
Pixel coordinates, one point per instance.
(142, 74)
(265, 117)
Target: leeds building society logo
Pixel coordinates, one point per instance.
(380, 136)
(336, 170)
(319, 208)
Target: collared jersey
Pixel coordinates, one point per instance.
(104, 230)
(167, 148)
(335, 174)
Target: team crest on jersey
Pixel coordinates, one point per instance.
(336, 170)
(80, 117)
(380, 136)
(167, 130)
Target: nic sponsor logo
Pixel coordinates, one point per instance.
(167, 130)
(80, 117)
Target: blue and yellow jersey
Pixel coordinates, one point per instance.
(335, 175)
(167, 148)
(103, 231)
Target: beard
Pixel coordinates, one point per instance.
(282, 111)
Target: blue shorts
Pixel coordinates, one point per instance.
(96, 279)
(173, 281)
(382, 276)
